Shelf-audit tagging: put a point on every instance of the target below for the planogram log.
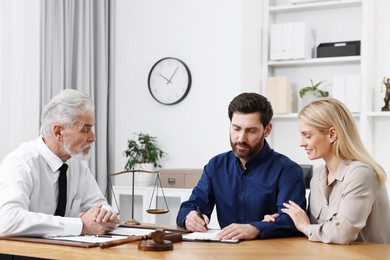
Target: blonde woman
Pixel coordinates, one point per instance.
(348, 197)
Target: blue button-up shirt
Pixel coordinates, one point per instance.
(245, 196)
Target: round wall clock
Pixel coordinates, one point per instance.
(169, 81)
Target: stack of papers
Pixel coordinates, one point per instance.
(119, 233)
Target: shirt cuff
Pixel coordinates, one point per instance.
(308, 230)
(72, 226)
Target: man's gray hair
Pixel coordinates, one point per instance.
(64, 109)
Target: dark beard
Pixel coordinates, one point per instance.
(252, 150)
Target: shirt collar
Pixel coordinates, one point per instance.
(339, 175)
(51, 158)
(259, 157)
(341, 169)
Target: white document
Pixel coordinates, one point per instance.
(119, 233)
(209, 236)
(95, 239)
(126, 231)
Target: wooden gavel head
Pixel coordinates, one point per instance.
(158, 236)
(159, 243)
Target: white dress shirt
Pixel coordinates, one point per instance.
(29, 192)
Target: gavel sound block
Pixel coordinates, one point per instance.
(155, 241)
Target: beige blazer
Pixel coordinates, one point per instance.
(357, 208)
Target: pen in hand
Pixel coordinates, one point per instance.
(98, 236)
(201, 216)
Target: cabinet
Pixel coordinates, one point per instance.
(330, 21)
(143, 196)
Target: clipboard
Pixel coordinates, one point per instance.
(51, 241)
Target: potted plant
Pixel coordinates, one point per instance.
(143, 153)
(312, 92)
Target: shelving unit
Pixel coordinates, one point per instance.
(350, 20)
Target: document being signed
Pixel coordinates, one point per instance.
(209, 236)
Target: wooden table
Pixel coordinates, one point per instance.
(284, 248)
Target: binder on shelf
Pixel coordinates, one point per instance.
(276, 42)
(346, 88)
(290, 41)
(287, 41)
(352, 89)
(279, 93)
(302, 42)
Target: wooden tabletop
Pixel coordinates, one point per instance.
(284, 248)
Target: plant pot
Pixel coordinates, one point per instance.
(309, 97)
(144, 179)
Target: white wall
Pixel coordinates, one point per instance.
(19, 72)
(211, 37)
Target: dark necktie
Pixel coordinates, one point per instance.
(61, 205)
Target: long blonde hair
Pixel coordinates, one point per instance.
(324, 113)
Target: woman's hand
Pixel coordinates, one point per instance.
(297, 214)
(270, 218)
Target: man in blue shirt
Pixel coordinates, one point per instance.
(247, 183)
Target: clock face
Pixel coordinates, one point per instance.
(169, 81)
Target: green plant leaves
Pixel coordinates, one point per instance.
(313, 88)
(143, 149)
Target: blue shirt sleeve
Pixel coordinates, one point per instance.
(291, 187)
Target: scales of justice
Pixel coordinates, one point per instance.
(155, 195)
(386, 82)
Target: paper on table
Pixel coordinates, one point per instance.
(210, 235)
(126, 231)
(118, 233)
(88, 239)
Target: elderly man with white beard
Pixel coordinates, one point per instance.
(46, 187)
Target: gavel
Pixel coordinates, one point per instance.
(159, 238)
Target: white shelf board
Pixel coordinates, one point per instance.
(295, 115)
(317, 61)
(282, 116)
(379, 114)
(313, 6)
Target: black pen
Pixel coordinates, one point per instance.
(201, 216)
(98, 236)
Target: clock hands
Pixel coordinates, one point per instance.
(173, 73)
(168, 80)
